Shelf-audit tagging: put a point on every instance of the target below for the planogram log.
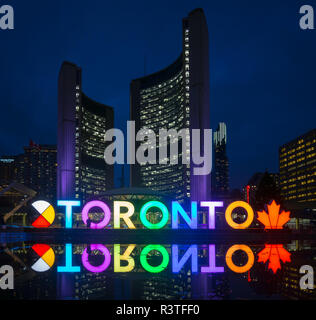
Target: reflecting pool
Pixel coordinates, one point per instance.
(87, 269)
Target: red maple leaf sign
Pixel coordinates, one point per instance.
(273, 220)
(273, 253)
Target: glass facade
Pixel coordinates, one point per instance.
(221, 166)
(93, 175)
(36, 168)
(175, 98)
(297, 163)
(82, 123)
(163, 106)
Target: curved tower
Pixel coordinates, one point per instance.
(82, 122)
(176, 97)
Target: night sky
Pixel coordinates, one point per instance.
(262, 68)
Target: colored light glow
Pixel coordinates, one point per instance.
(211, 211)
(68, 204)
(68, 263)
(40, 205)
(46, 260)
(49, 257)
(41, 222)
(271, 253)
(125, 256)
(125, 216)
(40, 249)
(177, 209)
(212, 262)
(47, 214)
(103, 266)
(248, 195)
(249, 278)
(40, 266)
(146, 207)
(274, 253)
(230, 209)
(100, 204)
(147, 266)
(231, 264)
(273, 220)
(191, 252)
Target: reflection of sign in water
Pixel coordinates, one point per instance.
(47, 214)
(46, 260)
(274, 253)
(178, 257)
(232, 265)
(124, 260)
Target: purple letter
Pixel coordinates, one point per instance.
(211, 211)
(106, 211)
(211, 260)
(103, 266)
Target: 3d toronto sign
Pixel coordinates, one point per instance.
(177, 256)
(272, 219)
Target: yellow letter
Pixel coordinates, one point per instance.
(125, 216)
(125, 256)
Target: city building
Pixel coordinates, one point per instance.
(7, 169)
(220, 181)
(22, 177)
(289, 284)
(297, 163)
(82, 172)
(176, 97)
(36, 168)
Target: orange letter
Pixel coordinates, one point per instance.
(234, 205)
(229, 260)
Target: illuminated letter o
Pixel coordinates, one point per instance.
(234, 205)
(229, 260)
(146, 207)
(146, 265)
(103, 266)
(106, 211)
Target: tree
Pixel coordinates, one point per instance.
(266, 192)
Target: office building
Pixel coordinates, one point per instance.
(289, 284)
(82, 122)
(220, 185)
(176, 97)
(297, 163)
(36, 168)
(7, 169)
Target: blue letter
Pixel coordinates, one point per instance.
(177, 265)
(176, 208)
(68, 267)
(68, 204)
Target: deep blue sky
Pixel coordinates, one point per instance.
(262, 67)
